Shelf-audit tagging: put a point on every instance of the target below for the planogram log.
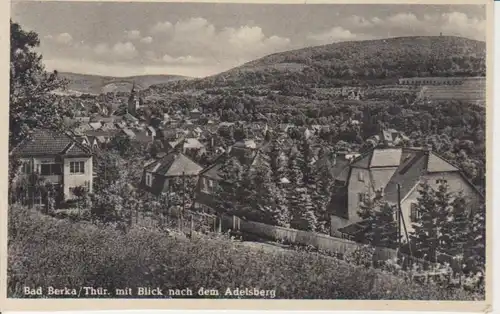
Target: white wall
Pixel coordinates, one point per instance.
(456, 184)
(74, 180)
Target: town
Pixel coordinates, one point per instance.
(301, 164)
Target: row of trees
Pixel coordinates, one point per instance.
(446, 223)
(281, 186)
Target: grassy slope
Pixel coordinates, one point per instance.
(44, 251)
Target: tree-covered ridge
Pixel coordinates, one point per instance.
(359, 63)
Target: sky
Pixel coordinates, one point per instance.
(202, 39)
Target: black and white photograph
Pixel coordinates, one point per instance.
(169, 150)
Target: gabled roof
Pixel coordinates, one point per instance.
(47, 142)
(414, 164)
(173, 165)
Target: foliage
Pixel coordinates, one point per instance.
(31, 102)
(361, 256)
(449, 225)
(381, 225)
(43, 251)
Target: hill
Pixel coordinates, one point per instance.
(367, 62)
(95, 84)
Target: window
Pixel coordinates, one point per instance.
(441, 181)
(414, 213)
(26, 168)
(361, 176)
(149, 179)
(361, 197)
(50, 169)
(210, 183)
(77, 167)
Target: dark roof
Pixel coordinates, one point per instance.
(413, 166)
(44, 142)
(174, 164)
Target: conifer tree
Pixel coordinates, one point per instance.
(456, 231)
(430, 232)
(475, 247)
(231, 174)
(276, 163)
(307, 155)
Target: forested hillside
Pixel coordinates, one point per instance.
(374, 62)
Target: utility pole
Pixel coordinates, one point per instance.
(400, 215)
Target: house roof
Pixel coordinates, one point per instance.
(129, 133)
(246, 144)
(414, 164)
(95, 125)
(438, 164)
(173, 165)
(379, 157)
(47, 142)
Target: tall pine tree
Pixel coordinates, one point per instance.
(430, 233)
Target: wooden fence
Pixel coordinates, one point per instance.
(332, 245)
(325, 243)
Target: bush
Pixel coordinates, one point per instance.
(44, 251)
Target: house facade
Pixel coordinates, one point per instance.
(380, 172)
(59, 159)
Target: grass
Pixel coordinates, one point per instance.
(45, 251)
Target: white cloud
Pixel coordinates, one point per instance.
(332, 35)
(101, 49)
(408, 24)
(182, 60)
(147, 40)
(63, 38)
(125, 50)
(133, 34)
(457, 23)
(161, 27)
(197, 37)
(360, 21)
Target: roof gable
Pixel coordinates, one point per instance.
(438, 164)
